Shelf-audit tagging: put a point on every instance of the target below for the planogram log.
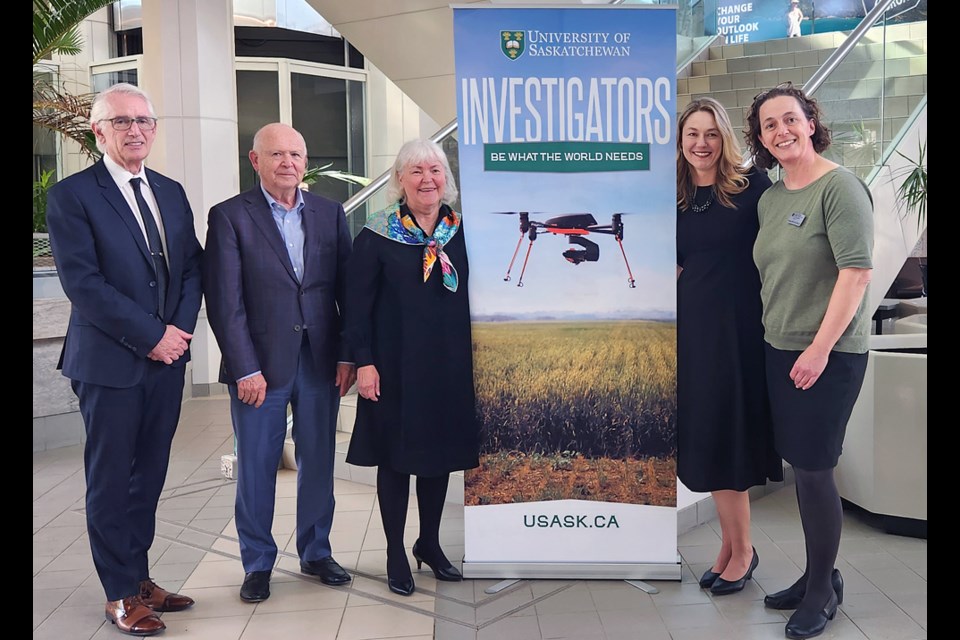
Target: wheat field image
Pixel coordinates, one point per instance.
(575, 410)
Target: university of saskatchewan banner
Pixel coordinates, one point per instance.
(567, 175)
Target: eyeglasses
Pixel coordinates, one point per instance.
(122, 123)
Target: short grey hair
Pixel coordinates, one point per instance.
(416, 151)
(100, 109)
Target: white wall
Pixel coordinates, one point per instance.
(392, 119)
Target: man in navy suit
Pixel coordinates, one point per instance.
(129, 260)
(273, 273)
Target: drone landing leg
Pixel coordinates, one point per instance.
(506, 278)
(631, 281)
(525, 258)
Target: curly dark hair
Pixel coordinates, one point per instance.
(821, 134)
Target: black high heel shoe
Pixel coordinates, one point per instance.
(792, 596)
(398, 566)
(404, 587)
(807, 624)
(723, 587)
(447, 573)
(708, 578)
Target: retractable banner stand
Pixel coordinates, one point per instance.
(567, 174)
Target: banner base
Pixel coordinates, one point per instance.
(572, 571)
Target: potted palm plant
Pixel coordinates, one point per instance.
(912, 194)
(56, 31)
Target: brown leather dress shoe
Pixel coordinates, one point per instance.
(159, 599)
(133, 617)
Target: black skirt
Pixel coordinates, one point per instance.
(809, 426)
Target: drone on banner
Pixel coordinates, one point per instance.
(574, 226)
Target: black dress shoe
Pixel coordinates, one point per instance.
(792, 596)
(326, 569)
(403, 587)
(723, 587)
(256, 586)
(805, 623)
(442, 569)
(708, 578)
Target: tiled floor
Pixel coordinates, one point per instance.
(196, 552)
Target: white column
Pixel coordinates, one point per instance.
(188, 71)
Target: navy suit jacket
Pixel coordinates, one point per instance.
(255, 305)
(108, 274)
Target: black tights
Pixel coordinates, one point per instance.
(393, 493)
(821, 515)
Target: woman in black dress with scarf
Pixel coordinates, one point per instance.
(408, 327)
(725, 437)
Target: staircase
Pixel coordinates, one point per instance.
(850, 98)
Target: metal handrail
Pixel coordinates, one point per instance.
(361, 196)
(832, 62)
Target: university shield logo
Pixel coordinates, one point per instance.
(511, 43)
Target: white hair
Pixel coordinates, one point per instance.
(414, 152)
(100, 109)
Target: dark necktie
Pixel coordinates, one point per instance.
(156, 247)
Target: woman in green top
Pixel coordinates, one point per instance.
(813, 252)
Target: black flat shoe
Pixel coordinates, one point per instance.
(808, 624)
(327, 569)
(792, 596)
(708, 578)
(442, 569)
(723, 587)
(256, 586)
(403, 587)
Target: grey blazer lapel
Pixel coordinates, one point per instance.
(259, 211)
(313, 230)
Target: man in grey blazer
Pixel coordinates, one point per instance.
(129, 260)
(273, 274)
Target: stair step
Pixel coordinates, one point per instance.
(912, 31)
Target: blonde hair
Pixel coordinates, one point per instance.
(731, 175)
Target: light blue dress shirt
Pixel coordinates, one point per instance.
(290, 223)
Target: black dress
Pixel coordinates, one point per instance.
(418, 335)
(725, 432)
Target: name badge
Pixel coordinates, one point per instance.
(796, 218)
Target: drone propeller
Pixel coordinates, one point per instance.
(572, 225)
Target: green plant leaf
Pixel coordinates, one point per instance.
(55, 25)
(912, 191)
(40, 188)
(313, 174)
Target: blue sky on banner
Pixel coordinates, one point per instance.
(640, 43)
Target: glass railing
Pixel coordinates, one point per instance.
(690, 27)
(869, 87)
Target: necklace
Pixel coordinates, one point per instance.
(700, 208)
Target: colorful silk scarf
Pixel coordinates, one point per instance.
(390, 224)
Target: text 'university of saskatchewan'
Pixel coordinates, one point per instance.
(561, 44)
